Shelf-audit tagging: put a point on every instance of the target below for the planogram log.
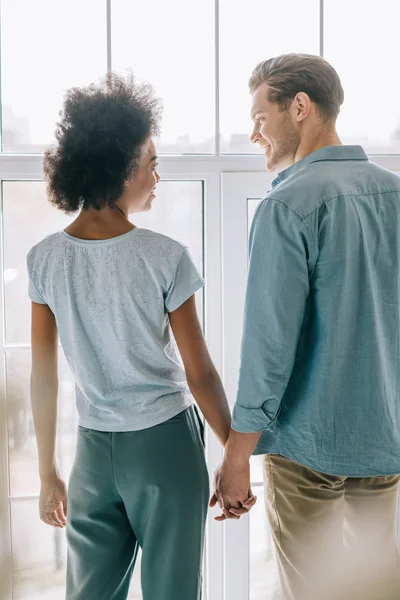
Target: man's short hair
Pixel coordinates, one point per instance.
(289, 74)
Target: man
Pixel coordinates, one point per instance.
(319, 385)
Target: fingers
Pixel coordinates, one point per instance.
(238, 512)
(213, 500)
(53, 503)
(61, 516)
(233, 512)
(250, 502)
(53, 520)
(226, 513)
(229, 514)
(247, 505)
(250, 496)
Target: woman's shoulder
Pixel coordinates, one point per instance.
(43, 247)
(159, 241)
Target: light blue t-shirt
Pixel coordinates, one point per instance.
(111, 300)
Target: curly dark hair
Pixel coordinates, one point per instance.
(100, 135)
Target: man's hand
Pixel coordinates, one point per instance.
(53, 502)
(232, 490)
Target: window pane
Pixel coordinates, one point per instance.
(252, 204)
(46, 47)
(28, 217)
(249, 33)
(135, 590)
(178, 212)
(257, 469)
(263, 571)
(24, 477)
(39, 556)
(171, 45)
(364, 47)
(39, 568)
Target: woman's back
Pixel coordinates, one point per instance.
(110, 299)
(110, 292)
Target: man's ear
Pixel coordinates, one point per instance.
(301, 106)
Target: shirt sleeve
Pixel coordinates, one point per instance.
(187, 280)
(33, 291)
(277, 289)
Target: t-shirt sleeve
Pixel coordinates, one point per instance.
(186, 281)
(33, 291)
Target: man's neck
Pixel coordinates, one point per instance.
(309, 145)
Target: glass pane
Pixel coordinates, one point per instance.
(24, 478)
(252, 204)
(39, 568)
(177, 212)
(263, 570)
(249, 33)
(257, 470)
(366, 58)
(28, 217)
(39, 555)
(46, 47)
(135, 592)
(177, 59)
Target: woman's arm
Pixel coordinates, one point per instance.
(202, 377)
(44, 391)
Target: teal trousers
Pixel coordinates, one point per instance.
(146, 488)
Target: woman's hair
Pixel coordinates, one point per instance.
(100, 134)
(289, 74)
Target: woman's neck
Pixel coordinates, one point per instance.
(101, 224)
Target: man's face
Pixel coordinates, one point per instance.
(274, 131)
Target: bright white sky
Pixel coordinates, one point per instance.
(49, 45)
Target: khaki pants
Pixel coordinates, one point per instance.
(334, 537)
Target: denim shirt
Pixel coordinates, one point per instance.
(320, 364)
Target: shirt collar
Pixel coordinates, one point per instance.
(323, 154)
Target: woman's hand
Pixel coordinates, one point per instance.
(232, 491)
(53, 502)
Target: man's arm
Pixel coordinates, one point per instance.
(277, 290)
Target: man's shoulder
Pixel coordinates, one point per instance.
(312, 187)
(302, 192)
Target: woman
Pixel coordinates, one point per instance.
(112, 292)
